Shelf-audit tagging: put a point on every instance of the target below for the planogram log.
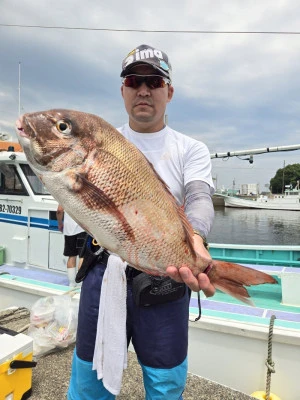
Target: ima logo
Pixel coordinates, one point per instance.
(139, 55)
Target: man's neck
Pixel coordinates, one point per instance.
(146, 127)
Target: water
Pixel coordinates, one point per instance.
(250, 226)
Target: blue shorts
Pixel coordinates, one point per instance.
(159, 334)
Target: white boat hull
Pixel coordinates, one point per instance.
(16, 294)
(234, 354)
(270, 204)
(223, 350)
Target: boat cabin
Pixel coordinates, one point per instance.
(28, 227)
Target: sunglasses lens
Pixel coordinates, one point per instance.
(152, 81)
(132, 81)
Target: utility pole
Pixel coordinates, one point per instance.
(283, 176)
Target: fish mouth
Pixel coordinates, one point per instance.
(20, 129)
(20, 123)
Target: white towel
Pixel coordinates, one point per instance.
(110, 354)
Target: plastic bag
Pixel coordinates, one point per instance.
(53, 323)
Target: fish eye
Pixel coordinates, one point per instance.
(63, 127)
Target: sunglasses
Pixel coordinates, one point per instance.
(152, 81)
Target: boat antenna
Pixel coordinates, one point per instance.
(19, 88)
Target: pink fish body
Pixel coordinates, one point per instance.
(107, 185)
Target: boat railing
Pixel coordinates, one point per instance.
(286, 256)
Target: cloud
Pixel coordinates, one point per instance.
(232, 91)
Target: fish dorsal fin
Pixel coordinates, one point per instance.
(188, 230)
(187, 227)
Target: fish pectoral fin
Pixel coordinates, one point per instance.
(96, 199)
(73, 180)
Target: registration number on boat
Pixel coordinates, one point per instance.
(5, 208)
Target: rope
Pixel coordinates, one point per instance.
(269, 363)
(10, 315)
(13, 314)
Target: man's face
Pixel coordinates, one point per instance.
(145, 106)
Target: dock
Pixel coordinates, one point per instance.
(50, 377)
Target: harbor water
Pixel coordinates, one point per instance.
(257, 227)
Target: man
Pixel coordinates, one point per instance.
(159, 332)
(74, 237)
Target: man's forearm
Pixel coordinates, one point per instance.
(199, 206)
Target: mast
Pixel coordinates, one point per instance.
(19, 88)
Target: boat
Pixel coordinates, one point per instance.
(218, 199)
(289, 200)
(228, 344)
(29, 233)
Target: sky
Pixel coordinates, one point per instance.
(233, 91)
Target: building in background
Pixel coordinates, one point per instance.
(249, 189)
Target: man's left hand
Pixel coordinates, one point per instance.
(184, 274)
(195, 283)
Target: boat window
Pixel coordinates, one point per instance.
(35, 183)
(10, 181)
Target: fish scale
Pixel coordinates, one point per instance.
(107, 185)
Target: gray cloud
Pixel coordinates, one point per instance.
(231, 91)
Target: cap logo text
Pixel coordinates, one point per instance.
(142, 55)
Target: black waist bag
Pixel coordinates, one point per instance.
(91, 254)
(150, 290)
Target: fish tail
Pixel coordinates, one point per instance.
(232, 278)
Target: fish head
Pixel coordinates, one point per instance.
(56, 139)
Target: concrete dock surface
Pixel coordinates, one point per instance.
(50, 377)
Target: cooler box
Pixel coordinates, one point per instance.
(16, 365)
